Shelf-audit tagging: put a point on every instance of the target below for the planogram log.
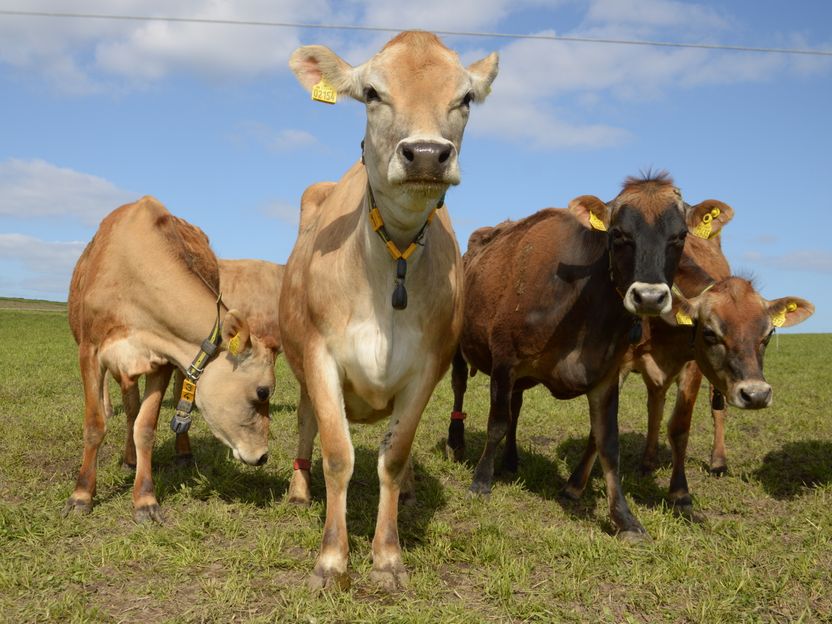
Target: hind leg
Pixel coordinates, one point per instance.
(499, 418)
(95, 427)
(130, 400)
(510, 456)
(455, 447)
(299, 492)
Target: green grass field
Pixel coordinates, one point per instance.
(232, 550)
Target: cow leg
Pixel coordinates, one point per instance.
(499, 417)
(182, 444)
(145, 505)
(326, 396)
(576, 484)
(656, 396)
(407, 486)
(455, 447)
(299, 492)
(678, 431)
(105, 396)
(95, 427)
(603, 410)
(130, 400)
(393, 468)
(719, 457)
(510, 455)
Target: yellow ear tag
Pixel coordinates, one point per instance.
(682, 318)
(324, 92)
(596, 223)
(779, 319)
(703, 230)
(234, 345)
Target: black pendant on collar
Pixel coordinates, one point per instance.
(400, 293)
(718, 400)
(635, 331)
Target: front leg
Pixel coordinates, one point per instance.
(499, 416)
(678, 431)
(394, 470)
(326, 396)
(145, 505)
(656, 395)
(603, 413)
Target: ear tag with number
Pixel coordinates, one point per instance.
(596, 223)
(705, 227)
(234, 345)
(324, 92)
(682, 318)
(779, 319)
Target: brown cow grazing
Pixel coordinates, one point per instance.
(252, 287)
(555, 299)
(359, 354)
(143, 299)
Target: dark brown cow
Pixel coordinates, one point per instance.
(556, 298)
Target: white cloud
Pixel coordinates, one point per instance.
(655, 14)
(816, 260)
(273, 140)
(46, 266)
(36, 188)
(288, 212)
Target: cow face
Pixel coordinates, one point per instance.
(418, 97)
(646, 232)
(732, 326)
(233, 392)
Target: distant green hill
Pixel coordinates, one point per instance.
(16, 303)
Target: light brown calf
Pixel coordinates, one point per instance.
(142, 300)
(369, 333)
(252, 287)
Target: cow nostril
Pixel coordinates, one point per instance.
(636, 296)
(262, 393)
(407, 153)
(445, 155)
(263, 459)
(661, 299)
(745, 396)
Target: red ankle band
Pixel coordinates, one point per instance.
(458, 415)
(302, 464)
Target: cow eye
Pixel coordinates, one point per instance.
(619, 237)
(679, 239)
(263, 393)
(709, 336)
(371, 95)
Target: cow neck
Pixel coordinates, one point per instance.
(400, 257)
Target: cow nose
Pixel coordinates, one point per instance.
(754, 395)
(647, 299)
(263, 459)
(425, 159)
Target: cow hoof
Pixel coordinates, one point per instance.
(687, 512)
(719, 470)
(391, 580)
(186, 460)
(510, 466)
(73, 505)
(148, 513)
(321, 580)
(478, 488)
(128, 467)
(648, 467)
(634, 536)
(455, 454)
(569, 494)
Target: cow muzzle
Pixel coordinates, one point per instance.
(751, 395)
(646, 299)
(425, 162)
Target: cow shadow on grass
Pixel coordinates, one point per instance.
(788, 472)
(540, 475)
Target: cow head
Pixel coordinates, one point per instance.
(732, 325)
(233, 392)
(418, 97)
(646, 230)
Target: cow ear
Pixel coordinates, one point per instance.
(316, 64)
(707, 219)
(591, 212)
(788, 311)
(483, 73)
(682, 311)
(236, 335)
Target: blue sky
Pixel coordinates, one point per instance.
(209, 119)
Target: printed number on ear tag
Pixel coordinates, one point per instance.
(324, 92)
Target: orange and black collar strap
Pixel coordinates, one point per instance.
(181, 421)
(399, 293)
